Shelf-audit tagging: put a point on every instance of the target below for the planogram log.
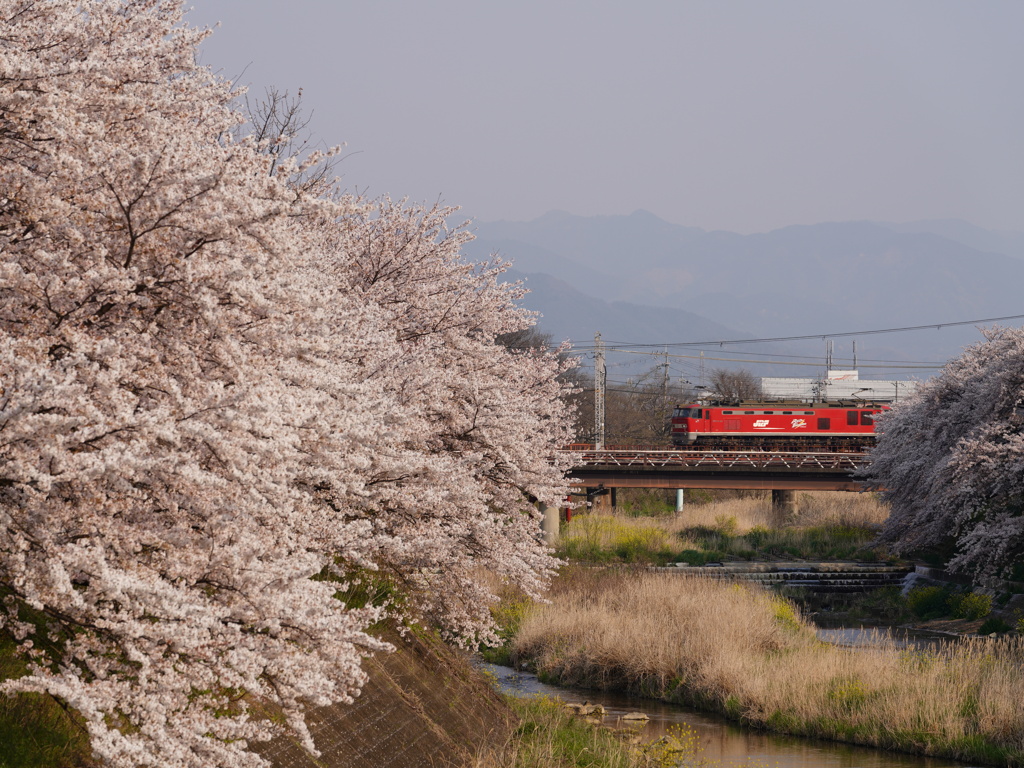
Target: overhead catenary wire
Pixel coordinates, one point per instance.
(620, 345)
(773, 362)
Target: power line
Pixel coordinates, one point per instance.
(818, 357)
(819, 364)
(722, 342)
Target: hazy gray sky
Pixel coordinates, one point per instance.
(725, 115)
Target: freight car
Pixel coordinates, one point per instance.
(783, 426)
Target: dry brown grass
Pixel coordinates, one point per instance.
(861, 510)
(744, 652)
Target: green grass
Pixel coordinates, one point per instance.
(820, 542)
(549, 735)
(36, 731)
(508, 615)
(608, 539)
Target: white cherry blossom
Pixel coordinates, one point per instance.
(216, 390)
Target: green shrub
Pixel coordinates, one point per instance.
(848, 694)
(584, 550)
(785, 614)
(928, 602)
(508, 614)
(645, 502)
(758, 536)
(992, 625)
(970, 606)
(639, 545)
(825, 542)
(726, 525)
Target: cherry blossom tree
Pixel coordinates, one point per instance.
(951, 460)
(465, 407)
(220, 395)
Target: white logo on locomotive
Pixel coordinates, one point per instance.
(799, 424)
(761, 423)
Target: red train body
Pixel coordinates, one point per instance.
(776, 426)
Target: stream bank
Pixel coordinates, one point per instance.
(721, 741)
(749, 656)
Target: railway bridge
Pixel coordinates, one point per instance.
(598, 473)
(688, 468)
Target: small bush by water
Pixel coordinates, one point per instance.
(936, 602)
(970, 606)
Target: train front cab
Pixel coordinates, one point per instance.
(687, 424)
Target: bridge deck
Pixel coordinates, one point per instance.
(772, 470)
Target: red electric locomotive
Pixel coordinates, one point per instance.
(776, 426)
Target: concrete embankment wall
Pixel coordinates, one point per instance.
(424, 705)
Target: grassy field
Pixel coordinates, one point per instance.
(750, 655)
(829, 526)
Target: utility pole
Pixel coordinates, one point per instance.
(664, 378)
(600, 378)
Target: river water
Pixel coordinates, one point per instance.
(726, 744)
(864, 637)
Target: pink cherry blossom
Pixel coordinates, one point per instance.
(216, 387)
(951, 459)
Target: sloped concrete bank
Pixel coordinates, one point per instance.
(424, 705)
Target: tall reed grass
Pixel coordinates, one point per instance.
(746, 653)
(817, 508)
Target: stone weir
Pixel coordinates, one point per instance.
(816, 577)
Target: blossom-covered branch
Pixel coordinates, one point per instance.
(218, 389)
(951, 460)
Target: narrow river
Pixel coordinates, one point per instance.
(726, 744)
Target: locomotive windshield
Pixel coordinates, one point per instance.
(685, 413)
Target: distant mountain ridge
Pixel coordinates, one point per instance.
(571, 314)
(991, 241)
(799, 280)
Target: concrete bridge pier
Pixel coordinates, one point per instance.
(601, 499)
(550, 524)
(679, 500)
(784, 503)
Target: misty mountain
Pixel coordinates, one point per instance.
(799, 280)
(991, 241)
(567, 313)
